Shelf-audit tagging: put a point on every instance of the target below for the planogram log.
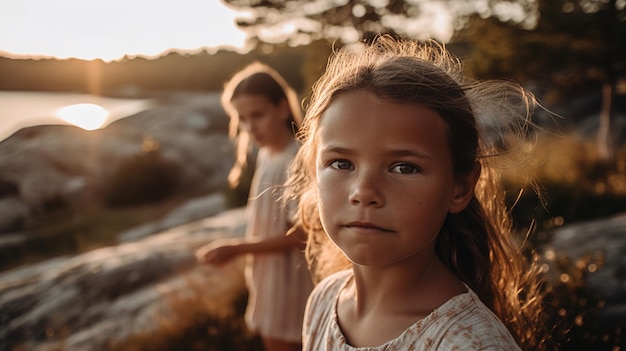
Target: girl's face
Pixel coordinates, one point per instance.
(385, 178)
(262, 119)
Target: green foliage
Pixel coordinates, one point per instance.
(574, 46)
(350, 21)
(144, 178)
(330, 21)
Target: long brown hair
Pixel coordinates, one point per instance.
(477, 243)
(256, 79)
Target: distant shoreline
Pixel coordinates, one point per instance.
(20, 109)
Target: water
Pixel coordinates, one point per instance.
(23, 109)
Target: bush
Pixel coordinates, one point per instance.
(144, 178)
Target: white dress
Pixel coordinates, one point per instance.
(461, 323)
(278, 283)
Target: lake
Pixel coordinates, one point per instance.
(23, 109)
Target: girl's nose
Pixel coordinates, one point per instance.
(366, 191)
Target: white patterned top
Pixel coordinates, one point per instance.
(462, 323)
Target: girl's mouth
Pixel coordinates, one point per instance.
(367, 226)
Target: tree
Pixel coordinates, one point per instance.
(574, 46)
(299, 22)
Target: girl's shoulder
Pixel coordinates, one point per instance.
(465, 322)
(332, 284)
(320, 318)
(326, 292)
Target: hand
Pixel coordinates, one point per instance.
(217, 254)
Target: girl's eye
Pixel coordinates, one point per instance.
(405, 168)
(341, 164)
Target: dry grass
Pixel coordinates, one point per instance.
(561, 181)
(568, 160)
(206, 315)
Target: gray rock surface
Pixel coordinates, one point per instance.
(193, 210)
(84, 302)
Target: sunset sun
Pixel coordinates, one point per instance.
(85, 116)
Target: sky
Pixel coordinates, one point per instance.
(110, 29)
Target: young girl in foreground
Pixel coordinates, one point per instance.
(393, 170)
(263, 107)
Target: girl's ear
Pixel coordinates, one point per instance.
(464, 190)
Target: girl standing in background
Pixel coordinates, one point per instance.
(263, 108)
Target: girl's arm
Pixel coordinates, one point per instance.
(216, 253)
(275, 243)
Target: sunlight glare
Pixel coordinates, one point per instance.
(85, 116)
(111, 29)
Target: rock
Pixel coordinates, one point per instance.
(55, 165)
(603, 240)
(86, 301)
(193, 210)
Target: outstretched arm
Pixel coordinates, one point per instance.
(216, 253)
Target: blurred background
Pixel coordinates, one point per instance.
(114, 155)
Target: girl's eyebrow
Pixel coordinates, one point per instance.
(410, 153)
(336, 149)
(396, 153)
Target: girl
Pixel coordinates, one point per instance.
(394, 172)
(263, 107)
